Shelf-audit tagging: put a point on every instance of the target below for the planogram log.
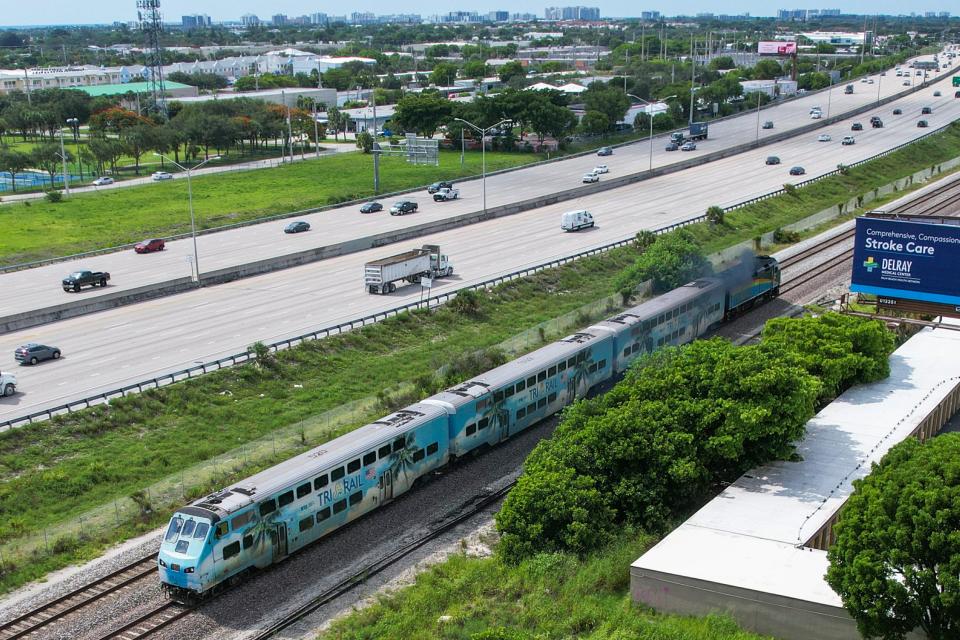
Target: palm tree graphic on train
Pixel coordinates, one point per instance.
(577, 383)
(498, 414)
(402, 460)
(262, 529)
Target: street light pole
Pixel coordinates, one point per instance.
(193, 224)
(829, 95)
(758, 116)
(63, 157)
(483, 152)
(650, 117)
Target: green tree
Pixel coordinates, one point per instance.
(671, 261)
(767, 69)
(422, 113)
(511, 70)
(608, 100)
(138, 140)
(595, 123)
(365, 141)
(443, 74)
(13, 162)
(46, 155)
(896, 561)
(476, 69)
(722, 62)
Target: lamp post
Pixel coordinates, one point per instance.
(63, 157)
(483, 151)
(651, 121)
(829, 95)
(193, 226)
(879, 80)
(758, 116)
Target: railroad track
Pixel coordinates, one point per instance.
(29, 623)
(378, 566)
(153, 620)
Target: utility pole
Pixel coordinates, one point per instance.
(693, 71)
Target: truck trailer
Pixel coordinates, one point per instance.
(381, 276)
(698, 131)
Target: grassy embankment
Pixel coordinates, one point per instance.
(87, 221)
(54, 471)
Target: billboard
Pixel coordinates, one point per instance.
(904, 259)
(776, 48)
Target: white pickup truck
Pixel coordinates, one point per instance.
(8, 384)
(446, 194)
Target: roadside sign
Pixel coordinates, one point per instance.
(426, 283)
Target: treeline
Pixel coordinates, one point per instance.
(683, 420)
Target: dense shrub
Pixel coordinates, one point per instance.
(671, 260)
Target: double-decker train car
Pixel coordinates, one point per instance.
(261, 520)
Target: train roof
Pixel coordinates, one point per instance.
(309, 463)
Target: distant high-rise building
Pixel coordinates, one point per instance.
(318, 18)
(365, 17)
(552, 13)
(649, 15)
(199, 20)
(249, 20)
(278, 20)
(944, 14)
(571, 13)
(498, 16)
(589, 13)
(806, 14)
(523, 17)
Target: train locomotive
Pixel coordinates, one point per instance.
(259, 521)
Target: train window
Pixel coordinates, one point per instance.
(284, 499)
(508, 391)
(498, 396)
(676, 312)
(320, 482)
(551, 398)
(323, 514)
(552, 371)
(383, 451)
(592, 368)
(247, 541)
(338, 473)
(541, 403)
(483, 423)
(231, 550)
(471, 429)
(182, 546)
(571, 362)
(635, 347)
(541, 376)
(432, 448)
(521, 413)
(223, 528)
(306, 524)
(201, 531)
(188, 528)
(267, 506)
(521, 386)
(602, 364)
(369, 458)
(174, 529)
(303, 490)
(353, 466)
(339, 506)
(418, 455)
(582, 356)
(626, 352)
(242, 519)
(562, 366)
(398, 444)
(532, 380)
(356, 498)
(531, 407)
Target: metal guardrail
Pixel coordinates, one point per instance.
(433, 301)
(289, 214)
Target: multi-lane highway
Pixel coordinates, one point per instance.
(107, 349)
(39, 288)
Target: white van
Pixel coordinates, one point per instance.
(576, 220)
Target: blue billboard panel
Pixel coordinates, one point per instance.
(912, 260)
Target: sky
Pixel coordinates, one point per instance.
(38, 12)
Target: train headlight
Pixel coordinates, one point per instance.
(189, 570)
(162, 563)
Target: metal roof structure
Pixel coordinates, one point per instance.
(746, 552)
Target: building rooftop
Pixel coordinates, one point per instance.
(135, 87)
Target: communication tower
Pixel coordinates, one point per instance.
(151, 23)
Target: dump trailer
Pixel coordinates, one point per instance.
(381, 276)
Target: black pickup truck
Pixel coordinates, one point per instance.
(78, 279)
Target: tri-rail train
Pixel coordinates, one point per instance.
(259, 521)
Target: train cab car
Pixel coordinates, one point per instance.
(276, 512)
(492, 407)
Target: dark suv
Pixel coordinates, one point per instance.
(33, 353)
(436, 186)
(403, 206)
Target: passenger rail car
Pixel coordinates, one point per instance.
(263, 519)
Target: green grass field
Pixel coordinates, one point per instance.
(51, 472)
(116, 216)
(549, 596)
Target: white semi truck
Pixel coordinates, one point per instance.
(8, 384)
(381, 276)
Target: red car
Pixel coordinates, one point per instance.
(149, 246)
